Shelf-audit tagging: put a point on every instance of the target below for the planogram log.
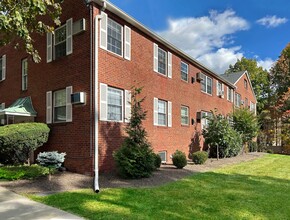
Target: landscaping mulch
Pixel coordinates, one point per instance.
(66, 181)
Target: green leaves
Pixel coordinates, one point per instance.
(18, 21)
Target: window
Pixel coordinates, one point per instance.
(220, 89)
(115, 37)
(230, 94)
(237, 100)
(246, 102)
(184, 115)
(24, 69)
(162, 112)
(252, 107)
(245, 84)
(60, 42)
(115, 104)
(162, 61)
(204, 119)
(162, 58)
(206, 84)
(59, 106)
(2, 67)
(163, 155)
(184, 71)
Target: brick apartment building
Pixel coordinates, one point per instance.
(82, 87)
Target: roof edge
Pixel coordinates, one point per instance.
(114, 9)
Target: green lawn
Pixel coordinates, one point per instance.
(258, 189)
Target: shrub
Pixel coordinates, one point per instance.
(269, 151)
(157, 160)
(253, 146)
(22, 172)
(199, 157)
(179, 159)
(135, 158)
(17, 141)
(222, 138)
(52, 160)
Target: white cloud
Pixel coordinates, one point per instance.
(206, 38)
(271, 21)
(266, 64)
(221, 59)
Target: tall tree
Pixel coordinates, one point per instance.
(260, 79)
(20, 19)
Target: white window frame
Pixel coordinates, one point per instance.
(58, 43)
(238, 101)
(24, 73)
(122, 37)
(245, 84)
(204, 120)
(54, 106)
(182, 116)
(204, 81)
(165, 155)
(182, 72)
(166, 61)
(166, 112)
(230, 93)
(220, 89)
(3, 67)
(122, 102)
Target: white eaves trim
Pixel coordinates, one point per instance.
(112, 8)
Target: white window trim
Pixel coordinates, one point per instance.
(168, 113)
(236, 100)
(165, 153)
(54, 106)
(205, 92)
(3, 67)
(54, 44)
(122, 97)
(23, 74)
(203, 119)
(183, 106)
(186, 72)
(166, 62)
(122, 39)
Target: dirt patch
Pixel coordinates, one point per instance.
(66, 181)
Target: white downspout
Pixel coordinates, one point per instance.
(96, 106)
(96, 101)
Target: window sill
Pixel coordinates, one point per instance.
(162, 75)
(183, 125)
(206, 93)
(182, 80)
(120, 57)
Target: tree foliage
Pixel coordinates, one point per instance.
(19, 20)
(260, 79)
(18, 140)
(135, 158)
(221, 137)
(246, 123)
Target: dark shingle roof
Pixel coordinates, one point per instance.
(233, 77)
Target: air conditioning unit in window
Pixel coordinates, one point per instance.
(78, 98)
(199, 76)
(79, 26)
(221, 94)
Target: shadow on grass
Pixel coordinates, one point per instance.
(202, 196)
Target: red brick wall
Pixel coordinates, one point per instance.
(120, 73)
(74, 70)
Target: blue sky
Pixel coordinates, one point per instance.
(217, 32)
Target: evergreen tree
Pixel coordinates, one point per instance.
(135, 158)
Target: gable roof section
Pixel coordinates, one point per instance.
(21, 107)
(234, 77)
(106, 5)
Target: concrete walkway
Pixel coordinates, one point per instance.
(14, 206)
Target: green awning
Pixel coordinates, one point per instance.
(21, 107)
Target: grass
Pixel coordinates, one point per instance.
(253, 190)
(22, 172)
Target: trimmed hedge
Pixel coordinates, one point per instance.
(199, 157)
(18, 140)
(179, 159)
